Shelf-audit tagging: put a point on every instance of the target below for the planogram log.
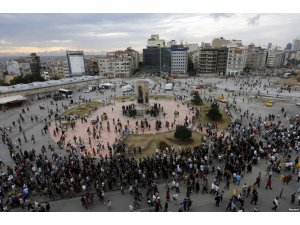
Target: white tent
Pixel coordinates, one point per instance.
(168, 86)
(14, 98)
(127, 88)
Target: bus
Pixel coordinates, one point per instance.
(65, 92)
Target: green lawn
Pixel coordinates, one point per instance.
(149, 142)
(162, 97)
(203, 118)
(123, 98)
(82, 110)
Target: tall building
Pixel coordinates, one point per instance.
(152, 60)
(211, 60)
(219, 42)
(296, 44)
(269, 46)
(91, 66)
(192, 47)
(76, 63)
(119, 63)
(1, 71)
(263, 59)
(236, 60)
(256, 57)
(66, 68)
(165, 60)
(13, 68)
(207, 61)
(154, 41)
(35, 64)
(288, 46)
(25, 69)
(275, 58)
(179, 59)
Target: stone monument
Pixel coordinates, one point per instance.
(142, 88)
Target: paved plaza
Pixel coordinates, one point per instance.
(267, 150)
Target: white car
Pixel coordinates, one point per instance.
(86, 91)
(298, 104)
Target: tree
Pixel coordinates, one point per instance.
(197, 100)
(26, 79)
(55, 77)
(214, 113)
(182, 133)
(141, 64)
(191, 67)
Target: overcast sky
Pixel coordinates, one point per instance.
(52, 34)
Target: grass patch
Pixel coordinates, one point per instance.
(123, 98)
(203, 118)
(133, 97)
(83, 109)
(162, 97)
(149, 142)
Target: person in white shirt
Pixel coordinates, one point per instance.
(130, 208)
(276, 203)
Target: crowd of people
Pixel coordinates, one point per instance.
(219, 162)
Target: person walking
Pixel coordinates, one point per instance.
(47, 207)
(218, 199)
(269, 183)
(276, 203)
(166, 206)
(293, 198)
(258, 178)
(254, 197)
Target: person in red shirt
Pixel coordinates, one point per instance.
(269, 184)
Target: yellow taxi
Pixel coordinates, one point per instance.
(269, 103)
(221, 99)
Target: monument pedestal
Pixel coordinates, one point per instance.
(141, 109)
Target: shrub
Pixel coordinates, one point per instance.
(182, 133)
(197, 100)
(214, 113)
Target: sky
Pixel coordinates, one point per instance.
(53, 34)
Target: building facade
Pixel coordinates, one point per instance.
(76, 63)
(236, 60)
(211, 60)
(91, 66)
(154, 41)
(256, 57)
(275, 58)
(13, 68)
(179, 59)
(25, 69)
(296, 45)
(219, 42)
(119, 63)
(152, 60)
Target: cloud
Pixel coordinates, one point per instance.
(60, 41)
(112, 34)
(253, 20)
(107, 32)
(4, 42)
(217, 16)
